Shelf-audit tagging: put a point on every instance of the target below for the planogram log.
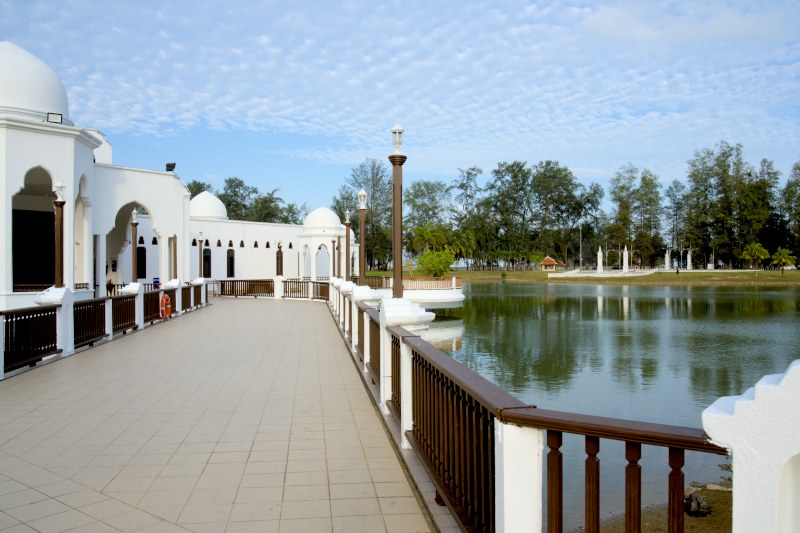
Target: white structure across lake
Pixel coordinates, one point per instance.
(43, 151)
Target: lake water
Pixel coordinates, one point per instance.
(659, 354)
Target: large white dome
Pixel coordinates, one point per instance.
(206, 205)
(322, 218)
(29, 87)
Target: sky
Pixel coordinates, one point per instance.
(293, 95)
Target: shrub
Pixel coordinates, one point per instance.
(436, 263)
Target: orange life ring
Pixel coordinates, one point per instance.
(166, 306)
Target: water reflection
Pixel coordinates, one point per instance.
(661, 354)
(650, 353)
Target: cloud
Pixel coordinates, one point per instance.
(594, 85)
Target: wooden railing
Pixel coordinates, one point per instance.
(152, 306)
(360, 342)
(90, 321)
(247, 287)
(374, 342)
(29, 335)
(422, 283)
(32, 287)
(321, 290)
(123, 311)
(452, 417)
(453, 432)
(171, 294)
(186, 298)
(395, 400)
(295, 289)
(197, 294)
(593, 428)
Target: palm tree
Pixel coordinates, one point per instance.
(783, 258)
(462, 243)
(427, 237)
(755, 253)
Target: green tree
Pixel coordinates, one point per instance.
(427, 237)
(238, 198)
(623, 186)
(426, 201)
(196, 187)
(783, 258)
(373, 176)
(265, 207)
(754, 253)
(512, 196)
(675, 198)
(790, 203)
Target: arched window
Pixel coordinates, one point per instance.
(141, 240)
(231, 263)
(206, 242)
(219, 243)
(155, 241)
(230, 244)
(255, 244)
(267, 245)
(141, 262)
(290, 246)
(194, 242)
(241, 244)
(206, 262)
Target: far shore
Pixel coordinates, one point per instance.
(685, 277)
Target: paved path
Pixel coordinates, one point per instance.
(245, 416)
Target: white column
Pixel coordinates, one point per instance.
(164, 263)
(87, 242)
(599, 259)
(406, 398)
(518, 478)
(625, 259)
(100, 266)
(2, 346)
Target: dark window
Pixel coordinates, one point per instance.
(231, 263)
(207, 262)
(155, 241)
(230, 244)
(141, 240)
(206, 242)
(241, 244)
(267, 246)
(141, 262)
(219, 243)
(194, 242)
(255, 244)
(290, 246)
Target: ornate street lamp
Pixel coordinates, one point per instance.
(362, 252)
(347, 245)
(397, 159)
(58, 204)
(134, 243)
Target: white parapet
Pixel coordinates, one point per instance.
(761, 430)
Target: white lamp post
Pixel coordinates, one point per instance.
(397, 159)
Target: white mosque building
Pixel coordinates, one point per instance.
(70, 216)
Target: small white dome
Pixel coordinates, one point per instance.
(206, 205)
(28, 86)
(322, 218)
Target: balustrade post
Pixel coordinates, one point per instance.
(109, 308)
(365, 348)
(65, 324)
(2, 346)
(203, 292)
(139, 312)
(406, 401)
(408, 315)
(278, 287)
(518, 477)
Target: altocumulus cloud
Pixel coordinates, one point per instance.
(592, 84)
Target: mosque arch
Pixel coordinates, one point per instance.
(33, 232)
(322, 262)
(120, 245)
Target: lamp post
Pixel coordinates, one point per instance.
(200, 257)
(347, 245)
(58, 204)
(397, 159)
(362, 252)
(134, 244)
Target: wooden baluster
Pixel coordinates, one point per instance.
(555, 483)
(592, 485)
(675, 490)
(633, 488)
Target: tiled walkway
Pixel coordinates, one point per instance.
(245, 416)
